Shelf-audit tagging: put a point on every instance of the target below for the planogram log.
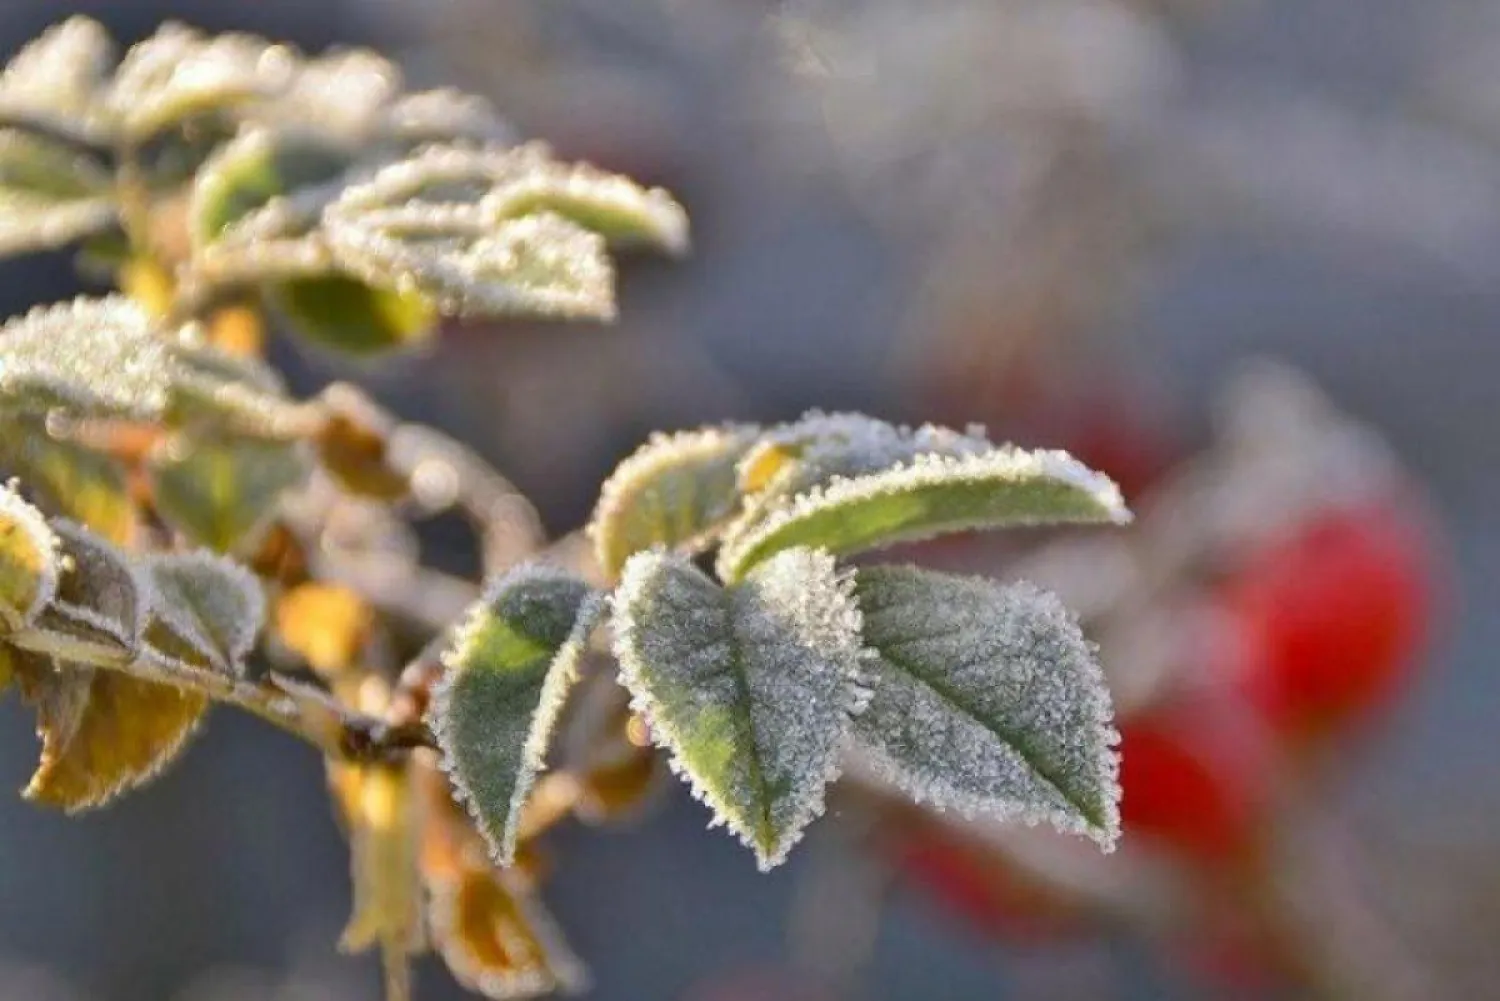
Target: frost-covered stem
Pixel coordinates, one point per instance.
(333, 729)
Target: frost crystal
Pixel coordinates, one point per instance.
(932, 495)
(513, 660)
(92, 357)
(54, 80)
(987, 698)
(751, 687)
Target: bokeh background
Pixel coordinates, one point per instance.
(1071, 219)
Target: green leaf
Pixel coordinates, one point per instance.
(496, 231)
(348, 315)
(932, 495)
(510, 668)
(255, 167)
(28, 561)
(212, 607)
(87, 358)
(987, 698)
(100, 593)
(222, 492)
(674, 491)
(84, 485)
(103, 733)
(751, 687)
(50, 194)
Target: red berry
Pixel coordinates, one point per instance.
(1197, 776)
(1339, 608)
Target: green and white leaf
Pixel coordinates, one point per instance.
(210, 603)
(87, 358)
(254, 168)
(29, 564)
(50, 194)
(512, 663)
(178, 73)
(68, 478)
(675, 490)
(100, 593)
(751, 687)
(54, 81)
(497, 231)
(222, 492)
(932, 495)
(987, 699)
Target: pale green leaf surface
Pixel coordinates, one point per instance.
(932, 495)
(987, 699)
(674, 490)
(751, 687)
(510, 668)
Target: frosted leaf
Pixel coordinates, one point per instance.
(103, 732)
(223, 492)
(99, 593)
(212, 604)
(497, 231)
(68, 478)
(54, 80)
(932, 495)
(751, 687)
(339, 95)
(512, 663)
(249, 171)
(810, 452)
(480, 188)
(987, 698)
(179, 73)
(348, 315)
(220, 393)
(674, 490)
(28, 561)
(90, 357)
(540, 265)
(50, 194)
(445, 114)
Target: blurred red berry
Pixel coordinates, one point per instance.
(1339, 609)
(1197, 775)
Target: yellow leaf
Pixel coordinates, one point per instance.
(28, 561)
(325, 624)
(104, 733)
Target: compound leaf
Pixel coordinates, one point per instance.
(932, 495)
(511, 665)
(987, 698)
(673, 491)
(751, 687)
